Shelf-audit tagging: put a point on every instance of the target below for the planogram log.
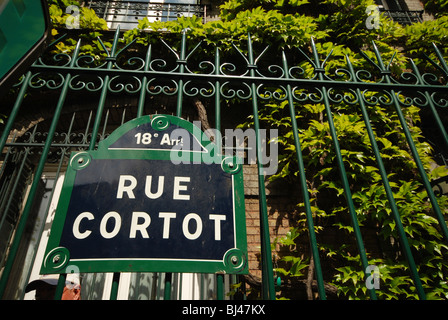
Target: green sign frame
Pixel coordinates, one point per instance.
(150, 144)
(24, 32)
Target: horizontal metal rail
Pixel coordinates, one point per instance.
(300, 83)
(255, 84)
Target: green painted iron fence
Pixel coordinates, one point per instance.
(76, 94)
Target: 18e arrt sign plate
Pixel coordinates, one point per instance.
(146, 201)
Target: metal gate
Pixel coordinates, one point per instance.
(83, 98)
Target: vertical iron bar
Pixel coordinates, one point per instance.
(304, 187)
(268, 288)
(220, 286)
(444, 134)
(114, 288)
(11, 187)
(181, 61)
(441, 59)
(167, 290)
(15, 110)
(405, 244)
(342, 171)
(105, 11)
(96, 126)
(38, 173)
(58, 171)
(377, 153)
(6, 157)
(218, 142)
(100, 108)
(60, 287)
(142, 98)
(340, 162)
(219, 138)
(217, 95)
(62, 277)
(428, 187)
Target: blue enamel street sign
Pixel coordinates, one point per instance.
(154, 197)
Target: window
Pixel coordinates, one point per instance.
(398, 11)
(126, 14)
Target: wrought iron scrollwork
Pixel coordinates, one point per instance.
(184, 69)
(236, 79)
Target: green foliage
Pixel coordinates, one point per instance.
(421, 36)
(437, 7)
(268, 27)
(88, 20)
(344, 26)
(337, 26)
(293, 266)
(373, 210)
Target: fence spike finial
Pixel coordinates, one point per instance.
(444, 65)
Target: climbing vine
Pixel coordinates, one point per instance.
(339, 27)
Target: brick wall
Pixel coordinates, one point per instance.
(417, 5)
(280, 206)
(281, 201)
(414, 5)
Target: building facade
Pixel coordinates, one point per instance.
(67, 104)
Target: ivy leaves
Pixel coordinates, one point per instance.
(265, 26)
(87, 18)
(371, 202)
(339, 28)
